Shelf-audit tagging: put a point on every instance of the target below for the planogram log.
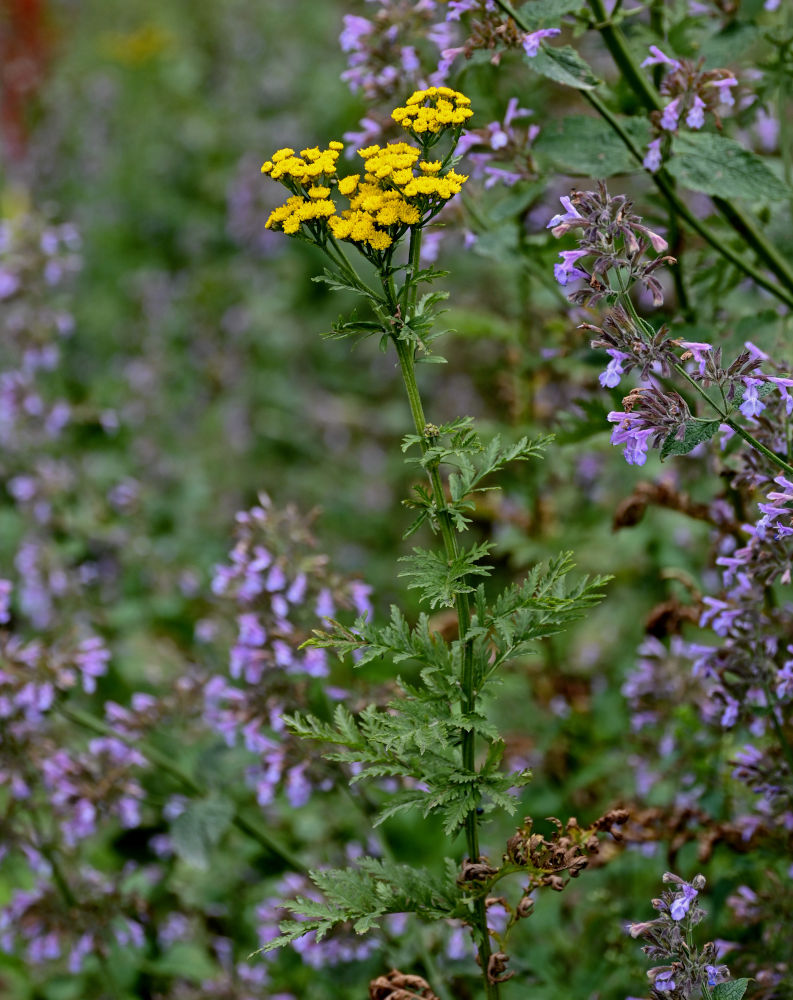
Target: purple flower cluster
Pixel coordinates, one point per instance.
(612, 239)
(281, 589)
(694, 92)
(686, 972)
(501, 152)
(46, 927)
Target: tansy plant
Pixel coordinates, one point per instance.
(435, 738)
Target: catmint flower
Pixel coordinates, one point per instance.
(653, 159)
(5, 601)
(355, 29)
(671, 114)
(630, 432)
(784, 384)
(614, 372)
(658, 58)
(725, 92)
(664, 980)
(9, 283)
(699, 352)
(531, 41)
(751, 404)
(566, 271)
(561, 223)
(696, 116)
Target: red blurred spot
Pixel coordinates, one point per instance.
(24, 51)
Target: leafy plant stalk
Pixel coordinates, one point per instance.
(406, 355)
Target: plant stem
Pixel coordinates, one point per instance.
(405, 354)
(468, 694)
(162, 761)
(740, 431)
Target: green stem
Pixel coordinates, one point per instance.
(407, 366)
(162, 761)
(739, 430)
(759, 446)
(405, 354)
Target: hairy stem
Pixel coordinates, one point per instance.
(165, 764)
(407, 366)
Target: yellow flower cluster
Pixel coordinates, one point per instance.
(304, 175)
(397, 188)
(433, 110)
(306, 168)
(296, 210)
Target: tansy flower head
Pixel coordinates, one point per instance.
(433, 110)
(396, 189)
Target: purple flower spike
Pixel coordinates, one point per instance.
(531, 42)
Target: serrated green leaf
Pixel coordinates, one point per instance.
(581, 144)
(714, 164)
(696, 431)
(733, 990)
(439, 579)
(542, 13)
(730, 44)
(563, 65)
(196, 831)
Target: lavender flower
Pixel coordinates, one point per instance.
(531, 41)
(653, 159)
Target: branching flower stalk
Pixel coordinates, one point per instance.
(428, 739)
(610, 259)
